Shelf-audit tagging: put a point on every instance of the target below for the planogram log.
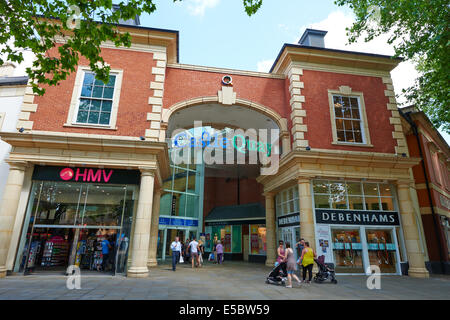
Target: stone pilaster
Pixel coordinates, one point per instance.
(271, 238)
(297, 112)
(152, 262)
(155, 101)
(410, 232)
(395, 118)
(28, 107)
(142, 225)
(9, 204)
(307, 228)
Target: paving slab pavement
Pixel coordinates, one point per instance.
(230, 281)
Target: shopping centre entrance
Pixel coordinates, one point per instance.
(216, 201)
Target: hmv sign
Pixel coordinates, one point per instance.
(86, 175)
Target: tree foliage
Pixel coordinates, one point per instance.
(419, 31)
(38, 25)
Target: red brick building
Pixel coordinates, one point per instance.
(93, 160)
(432, 180)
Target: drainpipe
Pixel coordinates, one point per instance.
(407, 117)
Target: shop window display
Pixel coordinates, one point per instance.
(258, 239)
(67, 223)
(382, 250)
(347, 250)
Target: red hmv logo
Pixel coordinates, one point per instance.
(86, 175)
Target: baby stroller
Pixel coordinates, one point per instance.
(278, 275)
(325, 272)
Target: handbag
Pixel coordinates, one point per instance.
(181, 259)
(211, 257)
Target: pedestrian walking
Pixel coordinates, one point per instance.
(215, 252)
(291, 265)
(176, 251)
(307, 261)
(219, 250)
(201, 251)
(187, 252)
(281, 253)
(193, 246)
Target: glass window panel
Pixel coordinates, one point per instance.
(84, 104)
(321, 201)
(103, 206)
(338, 188)
(356, 125)
(347, 108)
(370, 189)
(338, 202)
(82, 116)
(108, 92)
(339, 124)
(165, 204)
(382, 250)
(97, 92)
(106, 106)
(341, 135)
(95, 105)
(349, 136)
(112, 81)
(348, 125)
(179, 183)
(354, 103)
(372, 203)
(93, 117)
(356, 203)
(320, 187)
(358, 136)
(191, 181)
(387, 204)
(285, 208)
(336, 100)
(355, 114)
(104, 117)
(347, 251)
(99, 83)
(88, 78)
(385, 190)
(291, 206)
(86, 91)
(354, 188)
(283, 196)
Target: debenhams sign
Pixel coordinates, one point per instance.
(378, 218)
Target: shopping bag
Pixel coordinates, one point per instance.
(181, 259)
(211, 257)
(200, 258)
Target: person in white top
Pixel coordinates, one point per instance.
(176, 251)
(193, 246)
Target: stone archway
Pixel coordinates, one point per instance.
(273, 115)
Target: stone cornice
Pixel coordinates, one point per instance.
(66, 148)
(330, 57)
(335, 164)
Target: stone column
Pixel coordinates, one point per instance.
(307, 229)
(152, 262)
(9, 205)
(410, 232)
(141, 237)
(271, 237)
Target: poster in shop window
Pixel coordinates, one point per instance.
(227, 240)
(323, 242)
(254, 239)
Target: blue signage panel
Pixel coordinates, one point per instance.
(178, 222)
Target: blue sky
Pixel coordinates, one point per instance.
(218, 33)
(222, 35)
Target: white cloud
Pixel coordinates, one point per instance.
(198, 7)
(264, 65)
(20, 68)
(402, 76)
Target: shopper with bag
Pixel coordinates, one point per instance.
(219, 250)
(176, 252)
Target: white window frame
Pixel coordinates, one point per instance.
(2, 119)
(346, 91)
(76, 95)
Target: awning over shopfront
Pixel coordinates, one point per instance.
(251, 213)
